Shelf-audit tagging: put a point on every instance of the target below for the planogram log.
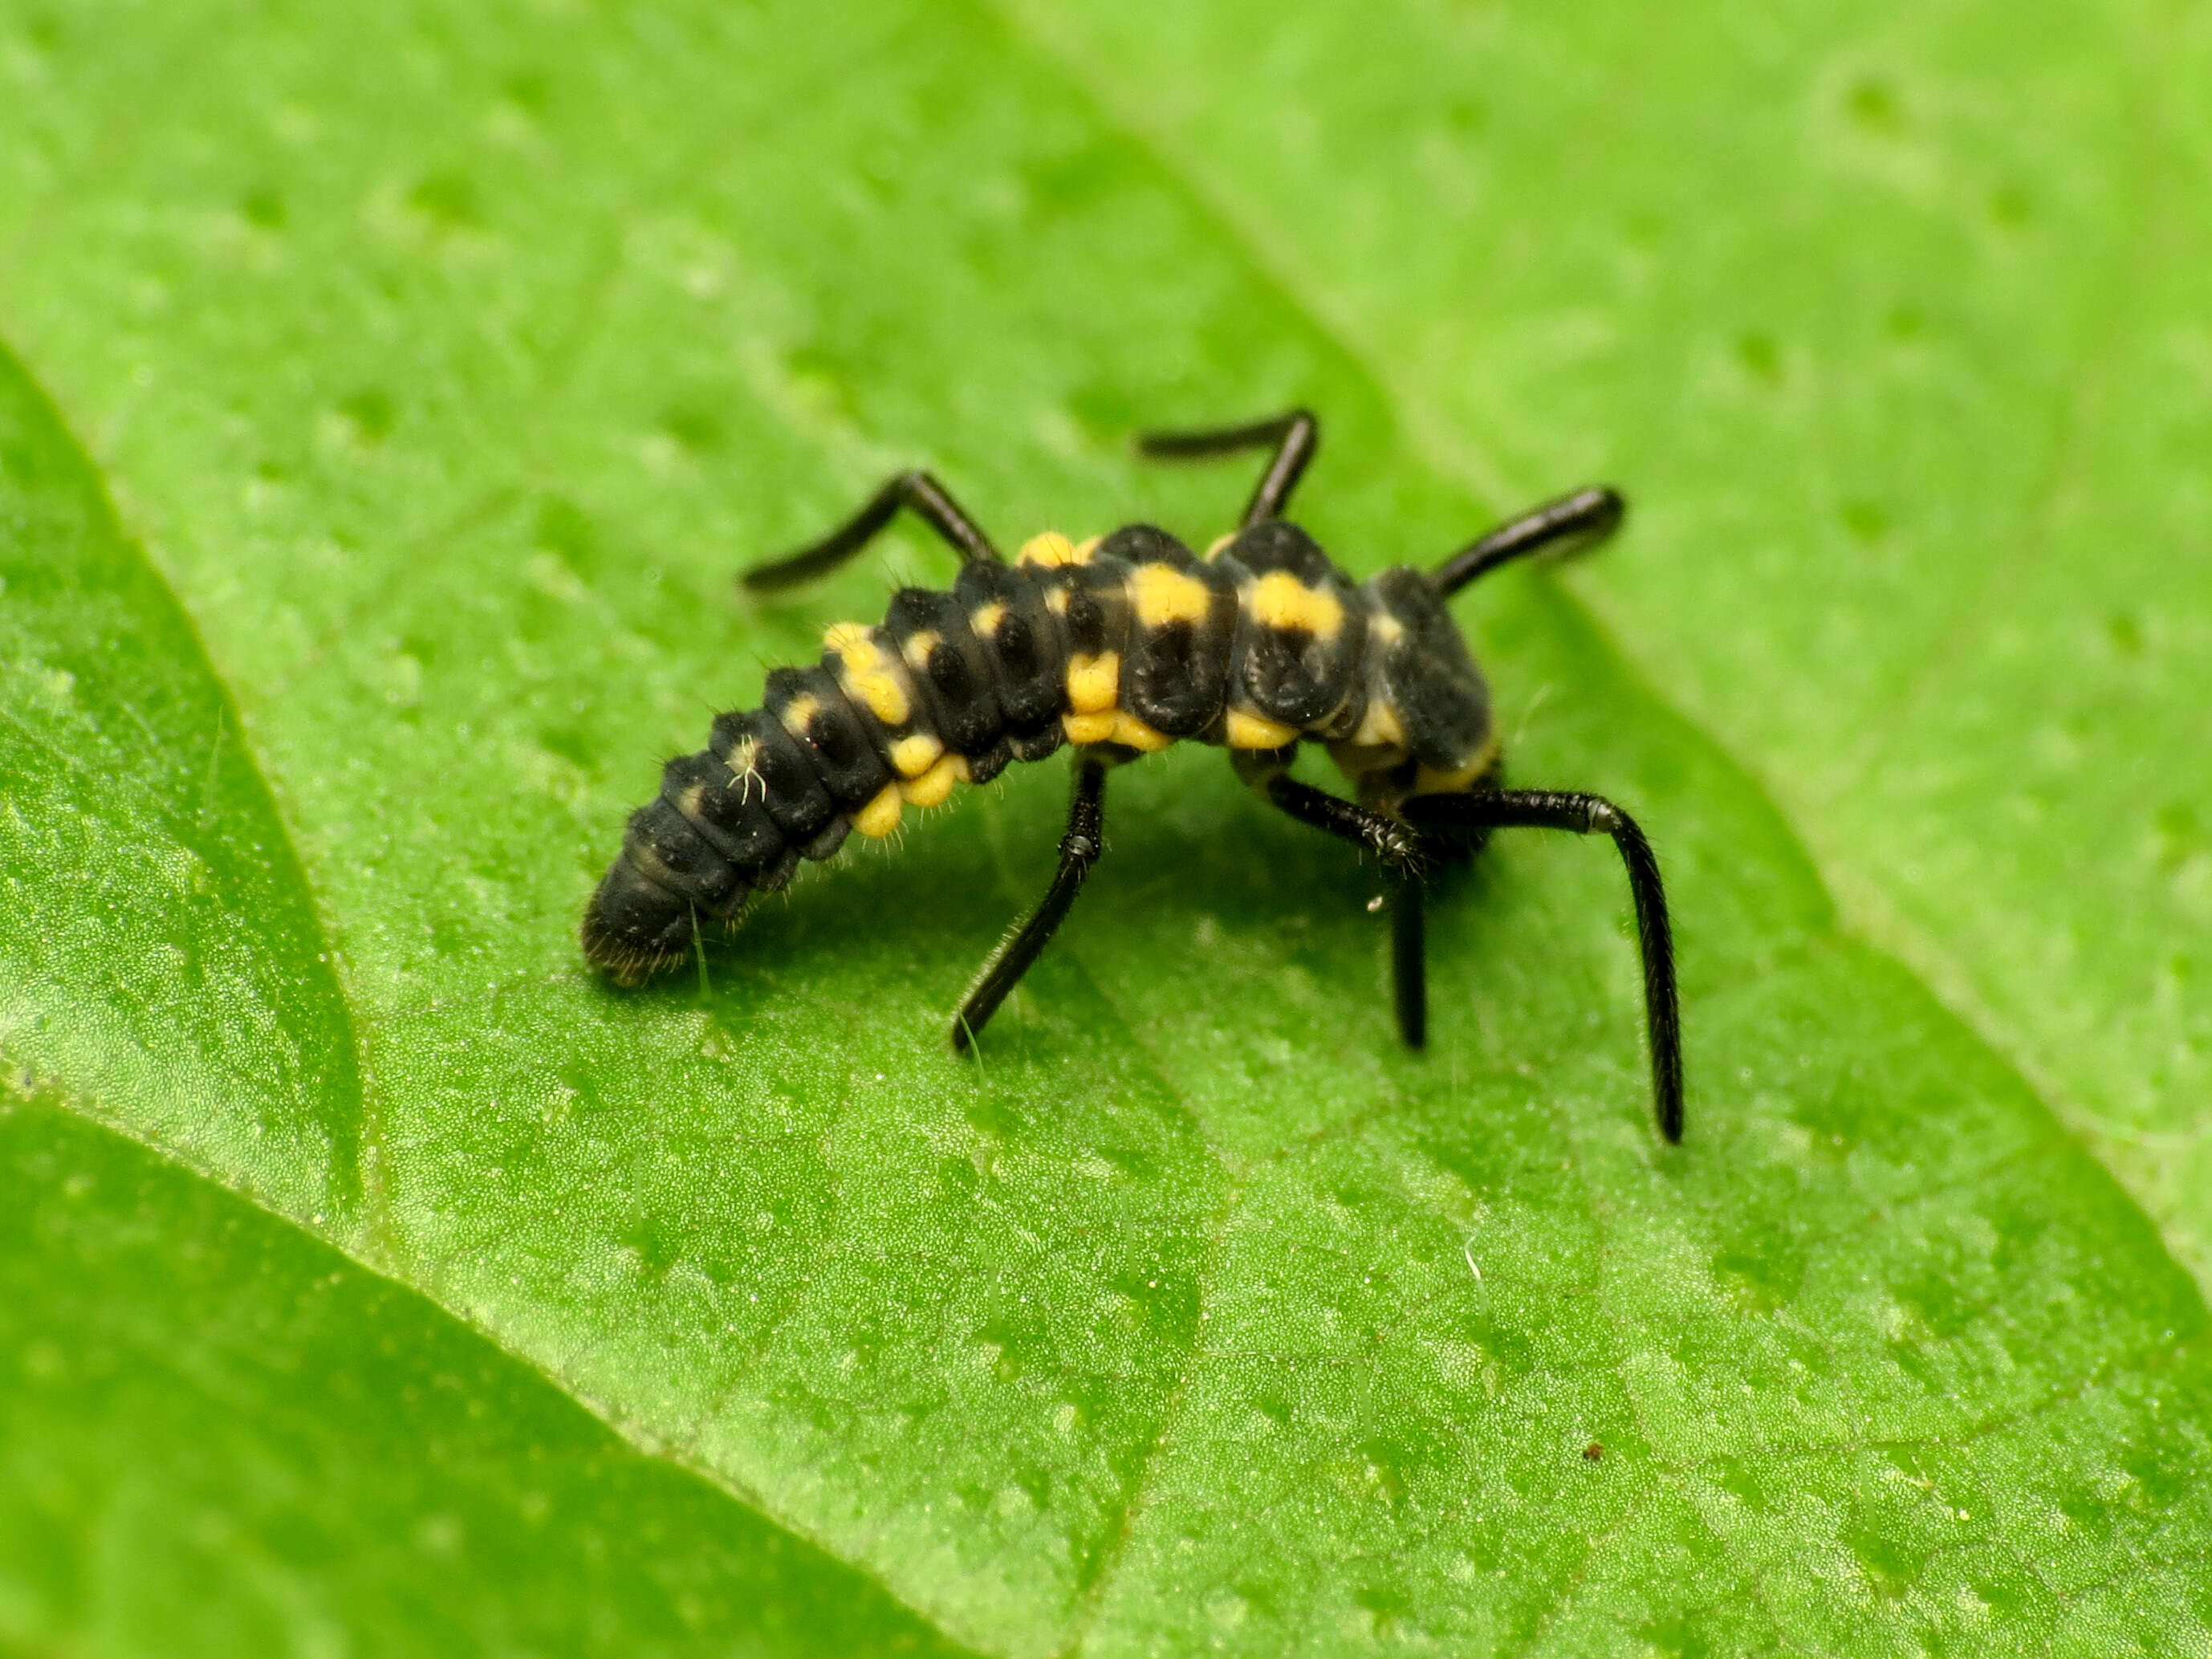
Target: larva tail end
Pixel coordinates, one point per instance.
(634, 928)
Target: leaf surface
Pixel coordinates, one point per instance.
(165, 959)
(1894, 323)
(448, 363)
(220, 1436)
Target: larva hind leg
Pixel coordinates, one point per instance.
(1584, 815)
(1406, 854)
(1079, 847)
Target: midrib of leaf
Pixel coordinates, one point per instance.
(1867, 911)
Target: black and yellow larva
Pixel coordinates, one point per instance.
(1119, 646)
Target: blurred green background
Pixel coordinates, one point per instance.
(385, 401)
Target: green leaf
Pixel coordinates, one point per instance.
(446, 366)
(165, 959)
(1894, 324)
(219, 1436)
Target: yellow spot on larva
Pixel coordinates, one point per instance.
(1093, 683)
(1380, 727)
(1085, 548)
(1162, 594)
(1385, 629)
(799, 714)
(1056, 602)
(863, 674)
(915, 755)
(1051, 551)
(1278, 599)
(1088, 728)
(851, 641)
(919, 646)
(880, 816)
(880, 689)
(1219, 542)
(1245, 730)
(931, 788)
(984, 619)
(1129, 729)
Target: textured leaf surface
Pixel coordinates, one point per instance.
(1907, 353)
(164, 958)
(447, 365)
(219, 1436)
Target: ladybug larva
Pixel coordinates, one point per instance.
(1115, 647)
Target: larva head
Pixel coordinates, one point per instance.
(1427, 726)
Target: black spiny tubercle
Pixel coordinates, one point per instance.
(1118, 646)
